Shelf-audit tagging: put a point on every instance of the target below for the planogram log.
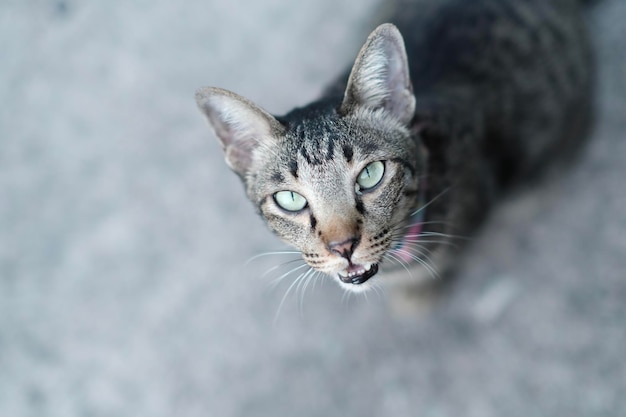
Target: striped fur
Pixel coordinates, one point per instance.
(473, 98)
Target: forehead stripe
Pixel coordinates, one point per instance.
(348, 153)
(293, 168)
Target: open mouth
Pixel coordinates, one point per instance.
(358, 274)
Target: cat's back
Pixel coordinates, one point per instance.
(481, 40)
(520, 69)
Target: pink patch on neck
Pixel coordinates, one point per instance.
(404, 251)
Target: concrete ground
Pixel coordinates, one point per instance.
(123, 237)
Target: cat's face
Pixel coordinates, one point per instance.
(337, 181)
(339, 191)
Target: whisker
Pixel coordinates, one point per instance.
(260, 255)
(417, 248)
(362, 296)
(345, 298)
(302, 288)
(419, 260)
(432, 200)
(420, 255)
(417, 238)
(317, 276)
(400, 262)
(378, 290)
(415, 244)
(441, 235)
(398, 233)
(408, 226)
(438, 242)
(276, 281)
(282, 301)
(275, 267)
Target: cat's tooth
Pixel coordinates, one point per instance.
(367, 267)
(343, 273)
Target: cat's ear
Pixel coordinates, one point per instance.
(240, 125)
(380, 76)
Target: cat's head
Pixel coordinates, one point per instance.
(338, 179)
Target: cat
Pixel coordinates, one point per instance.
(445, 108)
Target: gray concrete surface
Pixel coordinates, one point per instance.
(123, 237)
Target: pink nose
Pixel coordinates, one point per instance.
(344, 248)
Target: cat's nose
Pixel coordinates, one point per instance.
(344, 248)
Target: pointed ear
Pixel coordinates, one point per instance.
(239, 124)
(380, 76)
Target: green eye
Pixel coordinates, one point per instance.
(371, 175)
(290, 200)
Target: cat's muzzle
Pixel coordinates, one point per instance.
(358, 274)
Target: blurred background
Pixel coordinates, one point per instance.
(124, 236)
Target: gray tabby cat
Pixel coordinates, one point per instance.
(410, 150)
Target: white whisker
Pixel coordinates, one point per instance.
(282, 301)
(378, 290)
(275, 281)
(302, 288)
(260, 255)
(345, 297)
(435, 198)
(400, 262)
(438, 242)
(410, 225)
(417, 245)
(443, 235)
(421, 261)
(417, 249)
(275, 267)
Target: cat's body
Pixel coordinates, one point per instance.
(415, 146)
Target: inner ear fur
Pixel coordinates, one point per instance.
(240, 125)
(380, 76)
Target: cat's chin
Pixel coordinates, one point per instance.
(356, 275)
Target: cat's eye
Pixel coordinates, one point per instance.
(371, 175)
(290, 200)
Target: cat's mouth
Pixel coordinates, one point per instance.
(358, 274)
